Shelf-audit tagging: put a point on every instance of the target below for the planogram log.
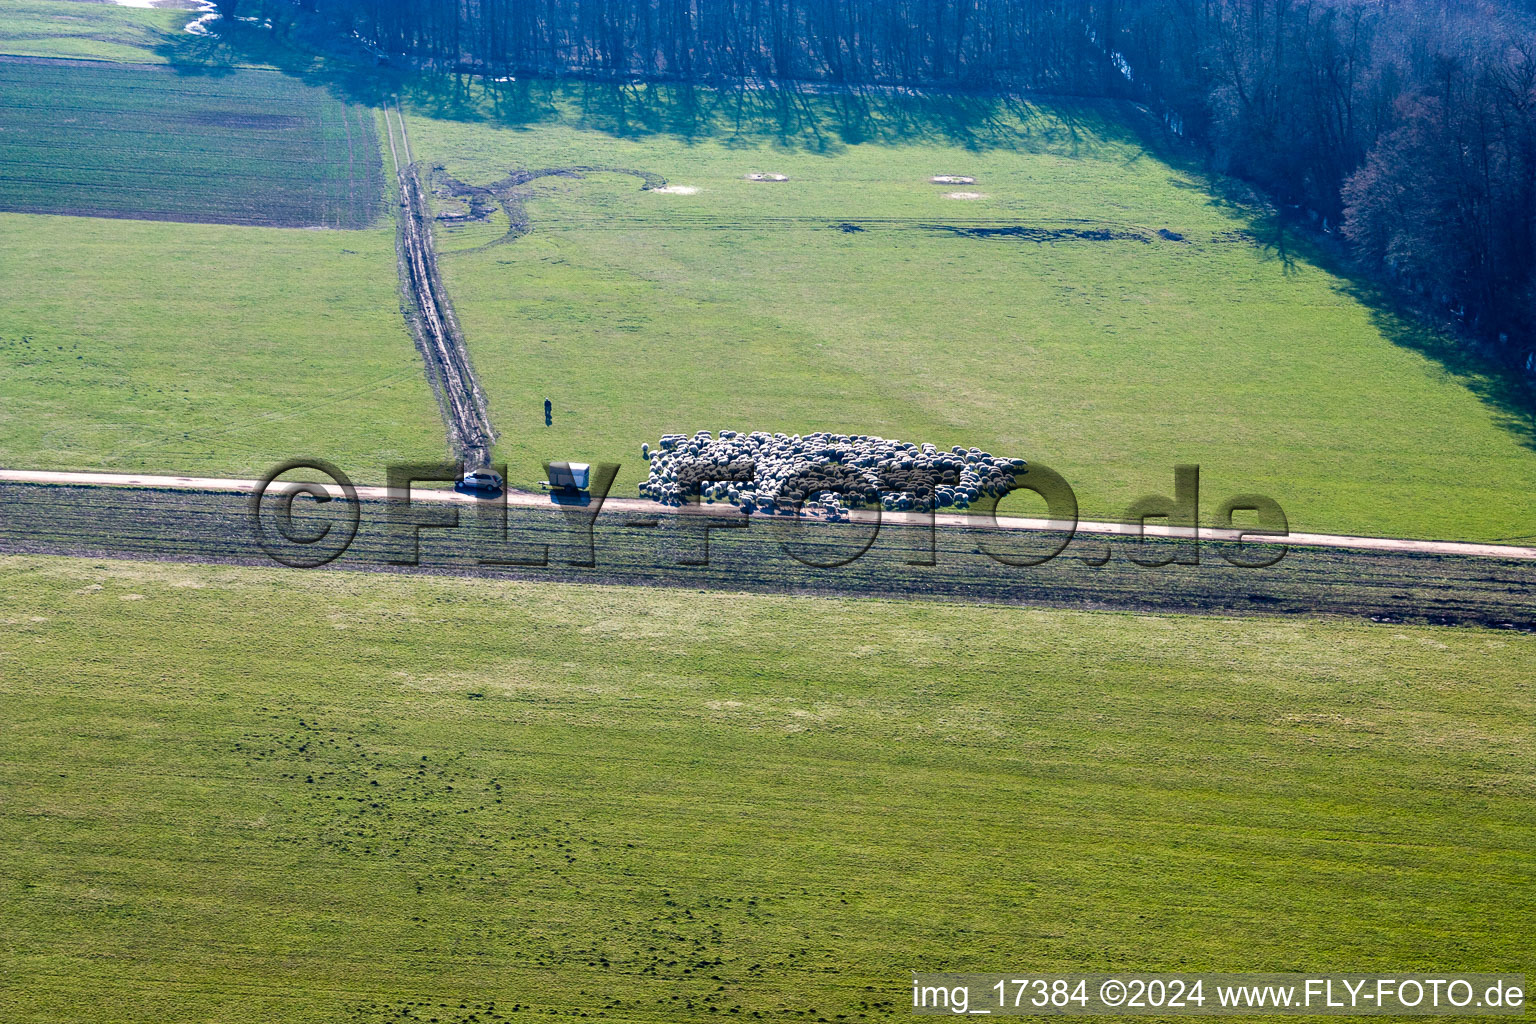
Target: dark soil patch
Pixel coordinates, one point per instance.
(1035, 234)
(243, 120)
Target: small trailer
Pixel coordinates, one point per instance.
(568, 482)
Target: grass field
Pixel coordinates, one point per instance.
(755, 305)
(1100, 310)
(205, 348)
(241, 147)
(196, 348)
(228, 797)
(63, 28)
(91, 30)
(236, 794)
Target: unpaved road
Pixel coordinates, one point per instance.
(437, 332)
(636, 543)
(638, 505)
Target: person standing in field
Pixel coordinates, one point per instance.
(549, 410)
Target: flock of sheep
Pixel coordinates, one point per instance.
(820, 474)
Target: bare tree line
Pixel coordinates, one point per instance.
(1407, 127)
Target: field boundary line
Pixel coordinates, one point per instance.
(172, 66)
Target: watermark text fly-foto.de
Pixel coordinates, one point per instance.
(1340, 995)
(1160, 530)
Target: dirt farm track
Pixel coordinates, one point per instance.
(630, 542)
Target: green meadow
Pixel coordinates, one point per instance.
(207, 349)
(239, 794)
(192, 348)
(1098, 310)
(94, 31)
(373, 798)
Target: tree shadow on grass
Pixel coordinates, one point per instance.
(806, 117)
(1506, 393)
(791, 116)
(1502, 388)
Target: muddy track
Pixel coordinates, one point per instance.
(510, 194)
(430, 314)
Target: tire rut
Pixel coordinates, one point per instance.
(430, 314)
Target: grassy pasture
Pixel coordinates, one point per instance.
(239, 147)
(1051, 320)
(228, 797)
(98, 31)
(199, 348)
(87, 29)
(205, 348)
